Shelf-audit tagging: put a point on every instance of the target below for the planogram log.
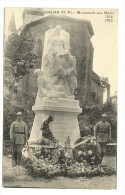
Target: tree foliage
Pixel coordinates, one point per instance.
(19, 50)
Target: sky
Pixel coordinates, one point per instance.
(104, 40)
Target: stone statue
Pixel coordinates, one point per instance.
(48, 87)
(57, 77)
(57, 81)
(57, 42)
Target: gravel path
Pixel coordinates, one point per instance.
(18, 177)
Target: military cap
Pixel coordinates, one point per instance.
(104, 116)
(19, 114)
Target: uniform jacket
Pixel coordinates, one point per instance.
(18, 132)
(103, 131)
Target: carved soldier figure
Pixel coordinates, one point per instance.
(18, 135)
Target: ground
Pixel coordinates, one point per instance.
(17, 177)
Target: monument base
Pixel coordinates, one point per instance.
(65, 123)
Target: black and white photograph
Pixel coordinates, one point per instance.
(60, 98)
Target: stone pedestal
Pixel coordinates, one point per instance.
(65, 122)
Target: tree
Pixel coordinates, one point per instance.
(18, 59)
(19, 52)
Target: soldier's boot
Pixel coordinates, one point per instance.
(102, 156)
(100, 159)
(14, 163)
(15, 159)
(97, 160)
(19, 158)
(101, 168)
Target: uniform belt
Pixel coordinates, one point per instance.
(19, 132)
(103, 132)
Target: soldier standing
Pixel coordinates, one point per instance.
(18, 135)
(102, 134)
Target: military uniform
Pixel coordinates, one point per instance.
(103, 135)
(18, 134)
